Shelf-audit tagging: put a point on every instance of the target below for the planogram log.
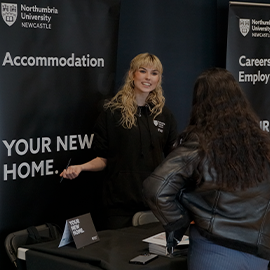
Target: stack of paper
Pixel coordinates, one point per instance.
(157, 245)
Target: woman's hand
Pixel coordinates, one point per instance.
(95, 165)
(71, 172)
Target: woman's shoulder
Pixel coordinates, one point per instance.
(166, 113)
(189, 138)
(107, 114)
(166, 110)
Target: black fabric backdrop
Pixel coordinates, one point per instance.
(51, 107)
(248, 55)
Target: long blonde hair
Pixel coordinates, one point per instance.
(125, 100)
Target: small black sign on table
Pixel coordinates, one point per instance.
(81, 230)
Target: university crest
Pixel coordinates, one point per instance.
(9, 13)
(244, 26)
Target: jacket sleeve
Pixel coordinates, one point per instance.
(163, 188)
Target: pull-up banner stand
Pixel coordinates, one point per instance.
(57, 64)
(248, 54)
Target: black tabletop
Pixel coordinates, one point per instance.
(112, 252)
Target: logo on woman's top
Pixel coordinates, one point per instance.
(160, 125)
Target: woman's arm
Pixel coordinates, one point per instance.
(94, 165)
(162, 188)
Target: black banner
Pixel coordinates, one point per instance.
(248, 56)
(58, 63)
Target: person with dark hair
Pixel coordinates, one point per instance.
(131, 137)
(217, 176)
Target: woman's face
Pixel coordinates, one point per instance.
(145, 79)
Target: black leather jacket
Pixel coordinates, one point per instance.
(238, 220)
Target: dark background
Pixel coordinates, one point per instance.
(188, 36)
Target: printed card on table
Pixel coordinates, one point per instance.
(80, 230)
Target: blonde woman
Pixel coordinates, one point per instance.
(131, 137)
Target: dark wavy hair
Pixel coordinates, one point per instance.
(228, 130)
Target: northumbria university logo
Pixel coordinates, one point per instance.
(9, 13)
(244, 26)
